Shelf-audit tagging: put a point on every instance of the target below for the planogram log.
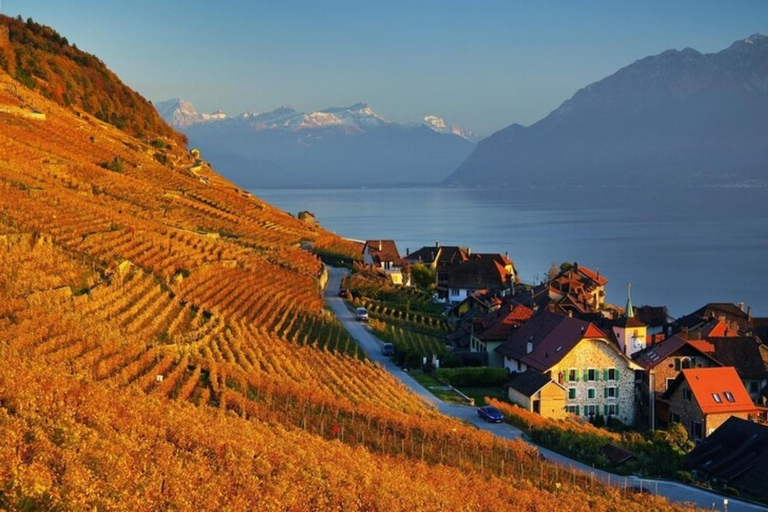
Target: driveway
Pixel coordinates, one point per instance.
(371, 345)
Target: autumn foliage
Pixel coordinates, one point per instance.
(164, 345)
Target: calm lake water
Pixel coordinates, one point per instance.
(681, 248)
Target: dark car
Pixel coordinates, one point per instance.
(388, 349)
(343, 293)
(490, 414)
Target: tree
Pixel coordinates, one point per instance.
(423, 277)
(552, 272)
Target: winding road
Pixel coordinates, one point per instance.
(371, 345)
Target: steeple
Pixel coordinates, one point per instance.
(630, 312)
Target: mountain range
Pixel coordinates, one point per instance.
(677, 118)
(340, 146)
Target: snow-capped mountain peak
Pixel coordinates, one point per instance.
(182, 113)
(439, 125)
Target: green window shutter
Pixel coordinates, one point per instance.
(605, 392)
(617, 409)
(605, 410)
(617, 391)
(597, 375)
(617, 373)
(576, 375)
(586, 374)
(605, 374)
(577, 410)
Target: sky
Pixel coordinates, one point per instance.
(482, 65)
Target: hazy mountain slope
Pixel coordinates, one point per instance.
(678, 117)
(341, 146)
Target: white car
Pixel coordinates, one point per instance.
(361, 314)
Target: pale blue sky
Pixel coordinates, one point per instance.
(483, 65)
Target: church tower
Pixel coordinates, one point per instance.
(629, 331)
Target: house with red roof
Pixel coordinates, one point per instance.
(577, 291)
(597, 378)
(702, 399)
(383, 256)
(494, 272)
(749, 356)
(490, 331)
(662, 363)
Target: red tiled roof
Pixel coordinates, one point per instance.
(500, 324)
(717, 329)
(706, 383)
(383, 250)
(552, 337)
(594, 276)
(703, 346)
(655, 354)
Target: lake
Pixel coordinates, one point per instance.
(681, 248)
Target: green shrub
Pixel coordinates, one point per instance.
(473, 377)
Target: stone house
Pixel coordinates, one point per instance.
(597, 377)
(702, 399)
(662, 364)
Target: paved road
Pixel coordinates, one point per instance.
(372, 347)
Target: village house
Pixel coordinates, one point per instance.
(749, 356)
(536, 392)
(657, 321)
(597, 378)
(662, 363)
(714, 319)
(702, 399)
(735, 454)
(438, 257)
(490, 331)
(382, 255)
(577, 290)
(493, 272)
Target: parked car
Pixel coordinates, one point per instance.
(388, 349)
(361, 314)
(490, 414)
(343, 293)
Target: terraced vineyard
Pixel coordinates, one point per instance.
(164, 345)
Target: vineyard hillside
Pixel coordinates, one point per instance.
(164, 343)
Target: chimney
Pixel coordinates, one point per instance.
(741, 306)
(749, 312)
(379, 244)
(469, 251)
(529, 346)
(570, 315)
(407, 251)
(437, 244)
(506, 254)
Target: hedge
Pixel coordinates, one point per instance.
(473, 377)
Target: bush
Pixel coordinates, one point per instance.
(473, 377)
(413, 360)
(684, 476)
(115, 165)
(423, 277)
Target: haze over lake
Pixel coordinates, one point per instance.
(681, 248)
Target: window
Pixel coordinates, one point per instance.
(696, 429)
(572, 409)
(669, 383)
(612, 392)
(611, 410)
(455, 291)
(717, 398)
(613, 374)
(590, 410)
(591, 393)
(468, 292)
(571, 393)
(686, 363)
(677, 364)
(590, 375)
(729, 396)
(573, 375)
(687, 394)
